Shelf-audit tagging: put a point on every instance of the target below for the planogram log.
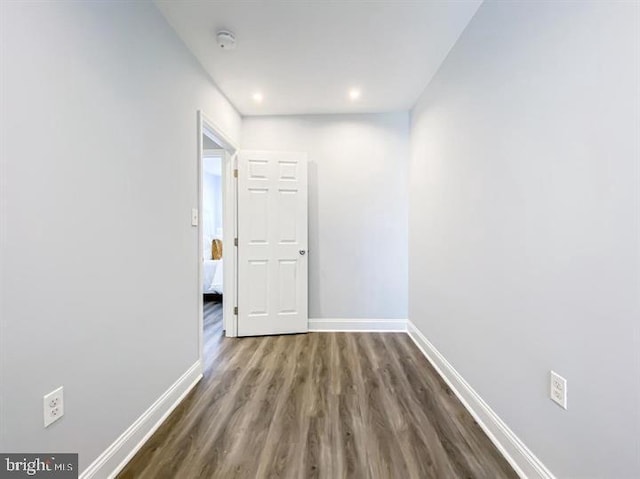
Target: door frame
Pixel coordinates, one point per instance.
(209, 129)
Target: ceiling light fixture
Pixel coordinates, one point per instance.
(354, 94)
(257, 97)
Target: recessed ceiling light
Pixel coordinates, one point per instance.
(257, 97)
(354, 94)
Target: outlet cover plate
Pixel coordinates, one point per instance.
(53, 406)
(558, 389)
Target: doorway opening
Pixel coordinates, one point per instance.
(212, 242)
(217, 291)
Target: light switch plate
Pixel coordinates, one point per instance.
(194, 217)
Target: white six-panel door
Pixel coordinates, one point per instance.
(272, 243)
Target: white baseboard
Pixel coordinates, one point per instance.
(118, 454)
(357, 324)
(525, 463)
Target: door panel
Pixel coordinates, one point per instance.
(258, 210)
(272, 243)
(287, 275)
(287, 216)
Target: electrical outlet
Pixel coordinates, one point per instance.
(53, 404)
(558, 389)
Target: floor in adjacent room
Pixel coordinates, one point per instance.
(327, 405)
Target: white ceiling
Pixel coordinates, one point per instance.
(304, 56)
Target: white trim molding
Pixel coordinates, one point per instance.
(118, 454)
(357, 324)
(209, 129)
(524, 462)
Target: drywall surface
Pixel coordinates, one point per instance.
(357, 207)
(523, 231)
(100, 287)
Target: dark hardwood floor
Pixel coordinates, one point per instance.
(317, 405)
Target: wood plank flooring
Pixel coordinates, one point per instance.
(317, 405)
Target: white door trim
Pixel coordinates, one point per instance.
(229, 220)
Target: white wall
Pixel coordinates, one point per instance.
(357, 207)
(524, 224)
(99, 278)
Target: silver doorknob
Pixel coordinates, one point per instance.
(302, 252)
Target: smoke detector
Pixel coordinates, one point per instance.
(226, 40)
